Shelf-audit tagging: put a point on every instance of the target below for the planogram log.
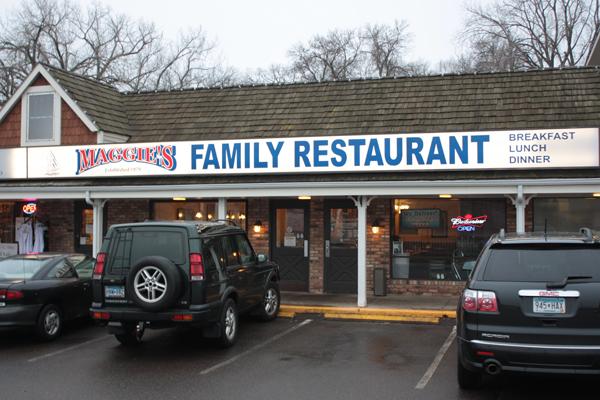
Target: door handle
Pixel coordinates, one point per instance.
(306, 249)
(327, 249)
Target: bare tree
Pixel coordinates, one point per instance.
(100, 44)
(334, 56)
(516, 34)
(385, 48)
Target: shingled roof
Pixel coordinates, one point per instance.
(558, 98)
(102, 103)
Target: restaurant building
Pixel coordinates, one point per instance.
(399, 179)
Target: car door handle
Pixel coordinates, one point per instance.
(306, 249)
(327, 248)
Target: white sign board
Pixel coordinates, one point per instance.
(561, 148)
(13, 163)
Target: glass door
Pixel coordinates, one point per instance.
(341, 244)
(289, 242)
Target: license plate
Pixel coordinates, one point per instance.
(2, 304)
(114, 292)
(549, 305)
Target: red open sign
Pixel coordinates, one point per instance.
(30, 208)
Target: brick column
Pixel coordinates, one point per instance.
(124, 211)
(59, 217)
(258, 210)
(378, 244)
(316, 246)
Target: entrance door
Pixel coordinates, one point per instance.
(289, 242)
(341, 240)
(84, 225)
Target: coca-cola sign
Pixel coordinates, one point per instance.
(468, 223)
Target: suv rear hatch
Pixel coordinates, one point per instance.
(547, 293)
(127, 245)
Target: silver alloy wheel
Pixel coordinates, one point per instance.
(270, 302)
(51, 322)
(150, 284)
(230, 323)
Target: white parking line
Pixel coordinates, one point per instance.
(254, 348)
(61, 351)
(436, 361)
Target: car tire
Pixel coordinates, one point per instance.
(49, 323)
(269, 306)
(228, 324)
(131, 335)
(468, 379)
(158, 271)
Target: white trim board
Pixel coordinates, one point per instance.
(294, 189)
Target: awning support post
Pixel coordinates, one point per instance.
(362, 202)
(520, 202)
(222, 208)
(98, 222)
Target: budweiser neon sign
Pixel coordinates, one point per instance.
(162, 156)
(468, 223)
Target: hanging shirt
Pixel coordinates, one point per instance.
(38, 244)
(25, 239)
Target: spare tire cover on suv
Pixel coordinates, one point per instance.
(154, 283)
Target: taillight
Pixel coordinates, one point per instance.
(470, 300)
(196, 267)
(100, 315)
(486, 302)
(10, 294)
(99, 267)
(479, 301)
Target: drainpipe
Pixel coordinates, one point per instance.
(222, 208)
(362, 203)
(98, 221)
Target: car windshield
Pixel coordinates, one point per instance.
(542, 263)
(21, 267)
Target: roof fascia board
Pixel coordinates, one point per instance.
(594, 53)
(292, 189)
(40, 70)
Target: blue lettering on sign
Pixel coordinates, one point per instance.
(466, 228)
(196, 155)
(388, 152)
(232, 158)
(480, 140)
(414, 147)
(301, 149)
(457, 150)
(336, 148)
(436, 152)
(356, 143)
(275, 152)
(373, 153)
(320, 152)
(257, 162)
(211, 157)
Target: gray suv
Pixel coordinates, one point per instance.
(162, 274)
(532, 305)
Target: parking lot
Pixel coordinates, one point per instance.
(293, 359)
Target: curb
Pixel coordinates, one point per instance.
(368, 314)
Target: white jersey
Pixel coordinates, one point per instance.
(25, 238)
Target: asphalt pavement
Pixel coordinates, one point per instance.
(285, 359)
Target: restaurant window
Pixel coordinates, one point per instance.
(201, 210)
(565, 214)
(439, 239)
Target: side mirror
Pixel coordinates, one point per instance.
(262, 258)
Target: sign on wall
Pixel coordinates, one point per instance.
(564, 148)
(13, 163)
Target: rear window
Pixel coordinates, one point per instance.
(20, 268)
(542, 263)
(131, 245)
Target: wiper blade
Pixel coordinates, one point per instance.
(567, 279)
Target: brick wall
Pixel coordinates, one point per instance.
(10, 128)
(316, 247)
(258, 210)
(73, 131)
(126, 211)
(378, 244)
(59, 217)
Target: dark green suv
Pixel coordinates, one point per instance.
(161, 274)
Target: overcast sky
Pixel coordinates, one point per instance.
(257, 33)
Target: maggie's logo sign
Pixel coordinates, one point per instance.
(160, 155)
(468, 223)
